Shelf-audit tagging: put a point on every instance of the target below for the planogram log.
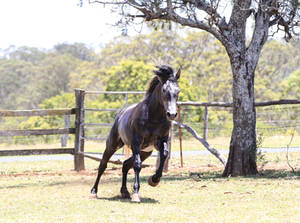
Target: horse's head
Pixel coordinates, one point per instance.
(169, 89)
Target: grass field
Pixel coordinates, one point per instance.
(52, 192)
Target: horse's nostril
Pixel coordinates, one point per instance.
(175, 115)
(168, 114)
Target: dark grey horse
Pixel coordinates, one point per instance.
(142, 127)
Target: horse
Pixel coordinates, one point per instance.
(143, 127)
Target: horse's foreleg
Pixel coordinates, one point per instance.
(162, 146)
(127, 165)
(137, 166)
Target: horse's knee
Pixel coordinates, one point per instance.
(137, 164)
(165, 154)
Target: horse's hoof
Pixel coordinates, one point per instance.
(151, 183)
(93, 196)
(125, 195)
(135, 198)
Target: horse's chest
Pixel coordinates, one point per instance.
(152, 131)
(151, 134)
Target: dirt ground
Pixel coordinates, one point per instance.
(174, 168)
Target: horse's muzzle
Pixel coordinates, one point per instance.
(171, 116)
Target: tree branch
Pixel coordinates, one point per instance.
(215, 152)
(108, 2)
(260, 33)
(168, 13)
(209, 8)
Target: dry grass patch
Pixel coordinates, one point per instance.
(52, 192)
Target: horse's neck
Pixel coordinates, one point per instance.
(156, 107)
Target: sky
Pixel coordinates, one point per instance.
(44, 23)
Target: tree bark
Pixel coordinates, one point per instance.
(242, 154)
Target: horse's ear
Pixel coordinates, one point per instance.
(178, 74)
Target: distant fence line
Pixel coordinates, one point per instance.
(81, 124)
(206, 105)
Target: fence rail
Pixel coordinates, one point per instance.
(224, 104)
(38, 132)
(27, 152)
(80, 124)
(206, 105)
(36, 112)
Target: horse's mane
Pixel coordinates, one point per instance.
(164, 73)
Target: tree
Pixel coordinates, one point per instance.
(283, 14)
(77, 50)
(293, 84)
(87, 75)
(30, 75)
(15, 76)
(277, 63)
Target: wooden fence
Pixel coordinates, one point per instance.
(82, 124)
(76, 150)
(79, 130)
(206, 106)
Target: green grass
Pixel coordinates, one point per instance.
(52, 192)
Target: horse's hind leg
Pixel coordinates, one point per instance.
(127, 165)
(113, 143)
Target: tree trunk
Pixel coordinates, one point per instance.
(242, 155)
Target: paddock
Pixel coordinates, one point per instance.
(193, 192)
(90, 145)
(53, 192)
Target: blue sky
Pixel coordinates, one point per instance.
(44, 23)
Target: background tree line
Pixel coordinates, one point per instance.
(36, 78)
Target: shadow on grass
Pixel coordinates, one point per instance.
(118, 198)
(266, 174)
(277, 174)
(114, 180)
(170, 177)
(42, 184)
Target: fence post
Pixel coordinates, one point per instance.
(64, 138)
(180, 137)
(205, 129)
(79, 133)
